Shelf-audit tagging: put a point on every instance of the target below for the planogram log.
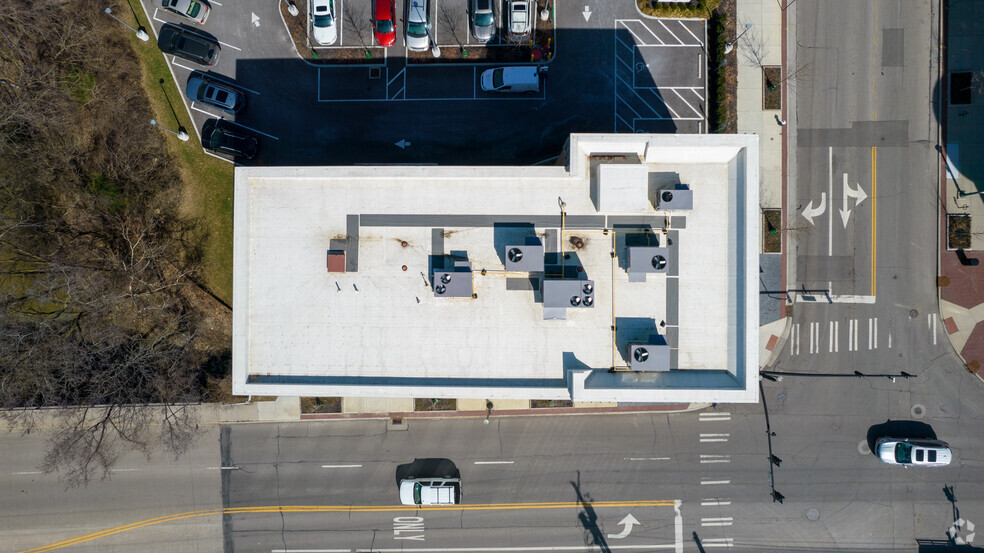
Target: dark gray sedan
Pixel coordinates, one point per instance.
(220, 94)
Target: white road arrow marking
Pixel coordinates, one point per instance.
(629, 521)
(586, 13)
(255, 19)
(859, 195)
(403, 144)
(810, 212)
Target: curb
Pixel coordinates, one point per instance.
(548, 411)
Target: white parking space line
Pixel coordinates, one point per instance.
(631, 32)
(646, 27)
(223, 468)
(518, 549)
(719, 521)
(252, 129)
(704, 459)
(705, 438)
(227, 161)
(645, 458)
(669, 31)
(341, 466)
(231, 83)
(718, 542)
(712, 502)
(714, 482)
(174, 61)
(156, 18)
(214, 3)
(675, 91)
(685, 28)
(202, 111)
(494, 462)
(714, 416)
(26, 472)
(230, 46)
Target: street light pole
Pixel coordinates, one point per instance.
(292, 8)
(181, 134)
(729, 46)
(141, 32)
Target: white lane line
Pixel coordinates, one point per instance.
(718, 542)
(856, 325)
(870, 335)
(677, 527)
(310, 551)
(715, 458)
(934, 331)
(223, 468)
(700, 65)
(889, 340)
(796, 340)
(252, 129)
(125, 470)
(341, 466)
(929, 321)
(230, 46)
(811, 337)
(836, 336)
(713, 482)
(852, 334)
(830, 338)
(714, 417)
(720, 521)
(685, 28)
(645, 458)
(494, 462)
(711, 502)
(174, 61)
(669, 31)
(27, 472)
(484, 549)
(876, 332)
(830, 194)
(704, 438)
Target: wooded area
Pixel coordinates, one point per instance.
(96, 263)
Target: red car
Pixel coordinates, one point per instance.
(383, 24)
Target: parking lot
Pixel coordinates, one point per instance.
(660, 75)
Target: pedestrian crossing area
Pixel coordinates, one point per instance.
(859, 334)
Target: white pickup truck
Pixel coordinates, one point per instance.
(430, 491)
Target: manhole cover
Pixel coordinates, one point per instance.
(781, 396)
(813, 514)
(863, 448)
(918, 411)
(913, 313)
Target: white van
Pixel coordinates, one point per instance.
(430, 491)
(511, 79)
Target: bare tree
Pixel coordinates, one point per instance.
(450, 22)
(357, 17)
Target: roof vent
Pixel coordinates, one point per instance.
(446, 278)
(666, 196)
(659, 262)
(588, 288)
(575, 300)
(640, 354)
(440, 288)
(515, 254)
(588, 301)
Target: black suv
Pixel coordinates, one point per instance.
(221, 136)
(188, 44)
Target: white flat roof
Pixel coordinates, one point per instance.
(379, 330)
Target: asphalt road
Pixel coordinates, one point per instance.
(565, 482)
(862, 146)
(612, 70)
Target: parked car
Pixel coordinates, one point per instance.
(520, 78)
(382, 22)
(910, 451)
(322, 17)
(418, 26)
(207, 90)
(188, 44)
(195, 10)
(483, 20)
(430, 491)
(223, 137)
(520, 19)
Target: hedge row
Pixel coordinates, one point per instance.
(694, 8)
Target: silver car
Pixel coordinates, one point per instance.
(418, 26)
(520, 22)
(323, 20)
(483, 20)
(913, 451)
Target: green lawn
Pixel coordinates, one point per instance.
(208, 182)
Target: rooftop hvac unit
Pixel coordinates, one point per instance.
(561, 294)
(679, 198)
(648, 259)
(651, 357)
(525, 258)
(454, 281)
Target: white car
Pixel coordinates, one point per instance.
(323, 18)
(418, 26)
(520, 22)
(430, 491)
(520, 78)
(911, 451)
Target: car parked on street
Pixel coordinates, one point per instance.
(913, 451)
(322, 16)
(430, 491)
(218, 135)
(483, 20)
(188, 44)
(418, 26)
(520, 19)
(382, 22)
(195, 10)
(220, 94)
